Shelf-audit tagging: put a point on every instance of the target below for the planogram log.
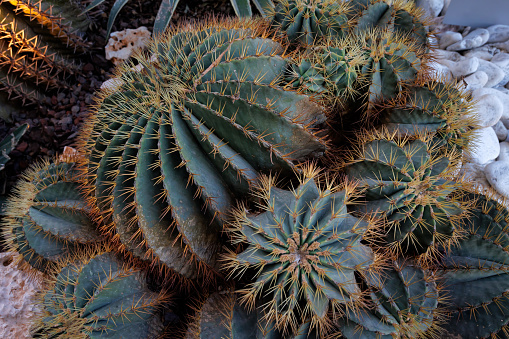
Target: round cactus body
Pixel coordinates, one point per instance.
(405, 305)
(47, 218)
(475, 273)
(411, 185)
(305, 251)
(307, 21)
(169, 148)
(98, 297)
(433, 107)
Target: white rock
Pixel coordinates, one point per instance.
(502, 45)
(503, 97)
(497, 176)
(502, 61)
(431, 7)
(17, 291)
(112, 85)
(123, 43)
(462, 68)
(476, 80)
(474, 39)
(488, 110)
(441, 72)
(505, 122)
(474, 173)
(498, 33)
(441, 54)
(485, 146)
(501, 132)
(485, 52)
(448, 38)
(504, 152)
(495, 73)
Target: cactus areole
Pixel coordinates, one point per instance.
(187, 131)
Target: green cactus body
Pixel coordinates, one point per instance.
(98, 297)
(169, 149)
(304, 250)
(475, 274)
(400, 16)
(433, 107)
(47, 219)
(407, 182)
(37, 45)
(222, 316)
(306, 21)
(405, 305)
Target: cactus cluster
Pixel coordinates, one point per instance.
(203, 163)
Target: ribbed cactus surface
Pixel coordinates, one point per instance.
(46, 217)
(307, 21)
(98, 297)
(475, 273)
(410, 184)
(170, 147)
(403, 305)
(304, 250)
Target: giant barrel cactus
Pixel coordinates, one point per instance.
(305, 252)
(169, 148)
(37, 40)
(475, 273)
(46, 217)
(403, 305)
(411, 184)
(99, 297)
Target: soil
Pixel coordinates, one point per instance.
(57, 120)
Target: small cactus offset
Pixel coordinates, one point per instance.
(307, 21)
(46, 217)
(432, 106)
(476, 273)
(411, 184)
(38, 46)
(9, 143)
(404, 305)
(168, 150)
(305, 251)
(99, 297)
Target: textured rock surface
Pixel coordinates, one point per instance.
(16, 299)
(122, 44)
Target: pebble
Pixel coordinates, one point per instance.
(440, 71)
(495, 73)
(486, 146)
(503, 97)
(462, 68)
(502, 61)
(484, 52)
(440, 54)
(496, 174)
(498, 33)
(448, 38)
(474, 39)
(500, 131)
(489, 110)
(504, 152)
(476, 80)
(502, 45)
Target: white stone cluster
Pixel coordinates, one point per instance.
(479, 59)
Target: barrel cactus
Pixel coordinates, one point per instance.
(46, 217)
(475, 273)
(39, 42)
(98, 297)
(432, 106)
(306, 21)
(169, 148)
(411, 184)
(403, 305)
(304, 250)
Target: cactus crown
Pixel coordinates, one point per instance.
(305, 249)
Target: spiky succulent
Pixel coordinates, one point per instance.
(432, 106)
(9, 143)
(98, 297)
(400, 16)
(168, 149)
(46, 217)
(307, 21)
(38, 42)
(304, 250)
(404, 305)
(475, 273)
(410, 184)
